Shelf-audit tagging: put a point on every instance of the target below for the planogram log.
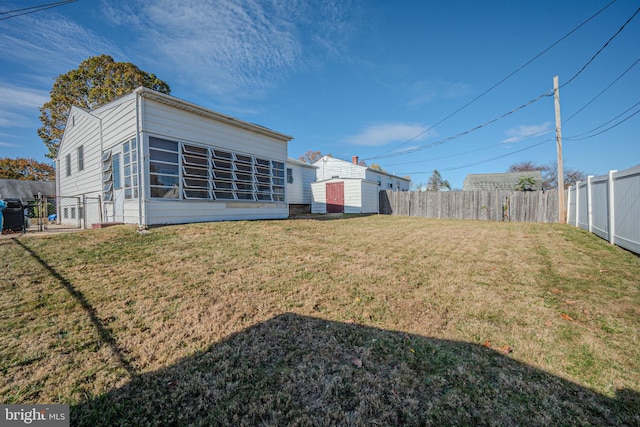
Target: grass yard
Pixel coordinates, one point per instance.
(370, 321)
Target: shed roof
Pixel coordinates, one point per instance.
(500, 181)
(26, 190)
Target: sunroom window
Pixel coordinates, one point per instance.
(190, 171)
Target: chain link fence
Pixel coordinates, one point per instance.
(60, 213)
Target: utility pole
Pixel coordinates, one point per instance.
(561, 207)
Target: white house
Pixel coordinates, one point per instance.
(348, 187)
(152, 159)
(300, 175)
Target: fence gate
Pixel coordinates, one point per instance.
(59, 213)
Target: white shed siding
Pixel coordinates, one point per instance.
(352, 195)
(360, 196)
(83, 130)
(299, 191)
(319, 197)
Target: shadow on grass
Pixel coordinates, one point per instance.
(103, 332)
(330, 216)
(298, 370)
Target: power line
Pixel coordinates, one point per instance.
(481, 161)
(502, 80)
(603, 91)
(601, 49)
(542, 132)
(458, 135)
(582, 135)
(32, 9)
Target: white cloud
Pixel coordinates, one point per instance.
(19, 105)
(386, 133)
(51, 42)
(21, 97)
(231, 46)
(521, 132)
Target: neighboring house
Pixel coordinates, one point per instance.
(348, 187)
(509, 181)
(155, 159)
(26, 190)
(300, 175)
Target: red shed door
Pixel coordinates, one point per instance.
(335, 197)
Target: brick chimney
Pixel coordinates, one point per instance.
(354, 160)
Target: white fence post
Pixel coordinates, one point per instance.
(577, 202)
(612, 212)
(589, 206)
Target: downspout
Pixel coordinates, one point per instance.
(58, 195)
(141, 182)
(101, 201)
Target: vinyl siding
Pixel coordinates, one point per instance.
(360, 196)
(82, 130)
(299, 192)
(172, 123)
(175, 124)
(330, 168)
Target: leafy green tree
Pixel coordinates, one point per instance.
(95, 82)
(26, 169)
(436, 183)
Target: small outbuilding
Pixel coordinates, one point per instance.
(349, 187)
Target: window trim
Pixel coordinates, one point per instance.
(80, 154)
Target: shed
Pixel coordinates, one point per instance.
(501, 181)
(350, 187)
(345, 195)
(152, 159)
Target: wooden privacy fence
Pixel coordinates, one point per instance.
(520, 206)
(608, 206)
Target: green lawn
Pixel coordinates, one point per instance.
(373, 320)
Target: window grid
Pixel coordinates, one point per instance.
(188, 171)
(130, 160)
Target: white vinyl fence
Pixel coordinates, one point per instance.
(608, 206)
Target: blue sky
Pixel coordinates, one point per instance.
(383, 80)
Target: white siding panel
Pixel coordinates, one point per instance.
(181, 125)
(299, 192)
(182, 212)
(82, 130)
(119, 124)
(352, 196)
(329, 168)
(319, 197)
